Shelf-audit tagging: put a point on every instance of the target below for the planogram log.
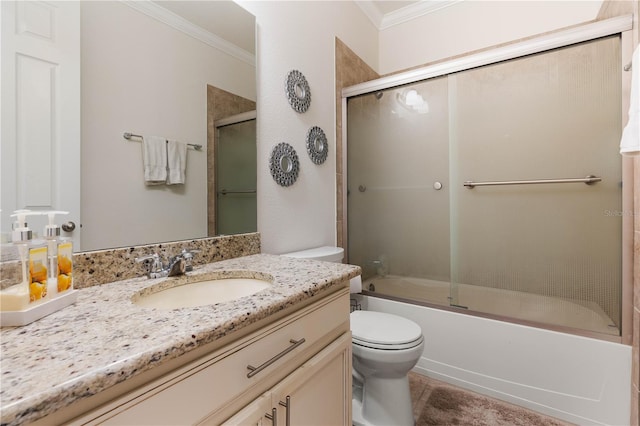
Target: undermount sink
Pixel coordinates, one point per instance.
(202, 292)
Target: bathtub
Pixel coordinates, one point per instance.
(574, 378)
(557, 311)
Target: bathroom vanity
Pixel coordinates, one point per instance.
(280, 356)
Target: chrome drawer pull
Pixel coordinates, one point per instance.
(287, 406)
(255, 370)
(273, 416)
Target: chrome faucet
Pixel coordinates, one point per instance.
(177, 265)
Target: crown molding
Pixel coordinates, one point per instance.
(371, 11)
(177, 22)
(414, 11)
(405, 14)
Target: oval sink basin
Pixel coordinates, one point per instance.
(207, 292)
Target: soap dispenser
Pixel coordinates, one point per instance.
(28, 282)
(60, 256)
(15, 275)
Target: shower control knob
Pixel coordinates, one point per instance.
(437, 186)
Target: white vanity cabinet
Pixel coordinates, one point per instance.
(317, 393)
(305, 355)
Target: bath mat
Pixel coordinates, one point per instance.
(449, 406)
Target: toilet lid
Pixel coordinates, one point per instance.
(378, 329)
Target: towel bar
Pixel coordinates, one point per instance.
(588, 180)
(128, 136)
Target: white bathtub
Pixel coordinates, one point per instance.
(574, 378)
(514, 304)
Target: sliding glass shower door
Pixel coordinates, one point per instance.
(539, 250)
(496, 190)
(236, 206)
(398, 185)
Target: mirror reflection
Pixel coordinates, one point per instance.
(285, 164)
(300, 92)
(166, 68)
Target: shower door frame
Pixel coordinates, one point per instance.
(621, 25)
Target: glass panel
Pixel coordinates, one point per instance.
(236, 210)
(549, 252)
(398, 223)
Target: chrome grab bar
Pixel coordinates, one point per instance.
(255, 370)
(589, 180)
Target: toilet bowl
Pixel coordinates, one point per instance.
(385, 348)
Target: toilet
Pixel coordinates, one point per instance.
(385, 348)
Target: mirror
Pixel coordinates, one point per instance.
(146, 68)
(286, 164)
(301, 93)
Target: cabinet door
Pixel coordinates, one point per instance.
(253, 414)
(319, 392)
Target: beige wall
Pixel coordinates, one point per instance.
(301, 36)
(144, 77)
(473, 25)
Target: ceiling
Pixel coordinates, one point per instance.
(386, 7)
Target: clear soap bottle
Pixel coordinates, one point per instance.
(59, 257)
(15, 266)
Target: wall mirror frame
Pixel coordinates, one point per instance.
(298, 91)
(317, 145)
(284, 164)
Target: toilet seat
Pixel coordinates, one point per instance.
(378, 330)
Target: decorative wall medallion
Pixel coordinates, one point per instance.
(317, 145)
(298, 91)
(284, 164)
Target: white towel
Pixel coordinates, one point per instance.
(154, 157)
(630, 142)
(177, 160)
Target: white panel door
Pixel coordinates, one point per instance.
(40, 115)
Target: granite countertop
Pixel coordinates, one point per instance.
(104, 339)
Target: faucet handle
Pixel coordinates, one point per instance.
(189, 252)
(155, 264)
(187, 255)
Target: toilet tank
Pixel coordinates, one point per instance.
(328, 254)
